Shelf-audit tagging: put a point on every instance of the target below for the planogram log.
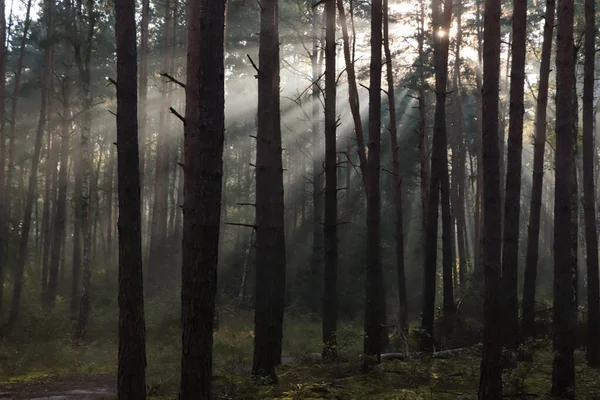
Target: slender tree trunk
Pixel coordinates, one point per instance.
(533, 231)
(459, 159)
(490, 380)
(110, 174)
(563, 374)
(157, 274)
(402, 303)
(35, 161)
(132, 342)
(60, 213)
(438, 184)
(512, 204)
(83, 51)
(425, 167)
(330, 228)
(10, 167)
(479, 273)
(203, 171)
(375, 307)
(591, 234)
(49, 203)
(270, 240)
(353, 95)
(318, 240)
(3, 197)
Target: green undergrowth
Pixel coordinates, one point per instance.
(44, 351)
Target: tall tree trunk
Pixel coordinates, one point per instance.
(83, 51)
(60, 213)
(478, 256)
(132, 342)
(203, 171)
(143, 93)
(46, 81)
(49, 203)
(3, 198)
(318, 240)
(13, 123)
(591, 234)
(375, 307)
(490, 380)
(330, 228)
(438, 184)
(158, 230)
(425, 166)
(512, 204)
(533, 231)
(563, 374)
(459, 160)
(110, 174)
(402, 304)
(270, 240)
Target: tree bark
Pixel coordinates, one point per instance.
(375, 307)
(203, 171)
(131, 376)
(270, 240)
(591, 234)
(438, 184)
(490, 380)
(83, 51)
(533, 231)
(563, 373)
(318, 240)
(512, 200)
(4, 199)
(402, 302)
(330, 228)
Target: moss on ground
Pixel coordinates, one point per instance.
(35, 366)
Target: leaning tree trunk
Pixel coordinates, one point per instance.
(563, 374)
(402, 303)
(533, 231)
(131, 376)
(375, 307)
(22, 255)
(512, 201)
(270, 240)
(330, 228)
(591, 234)
(490, 380)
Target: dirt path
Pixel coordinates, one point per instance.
(74, 387)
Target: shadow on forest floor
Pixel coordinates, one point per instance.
(425, 378)
(33, 367)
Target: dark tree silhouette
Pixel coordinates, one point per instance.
(490, 380)
(564, 312)
(203, 172)
(132, 336)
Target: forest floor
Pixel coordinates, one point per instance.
(55, 368)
